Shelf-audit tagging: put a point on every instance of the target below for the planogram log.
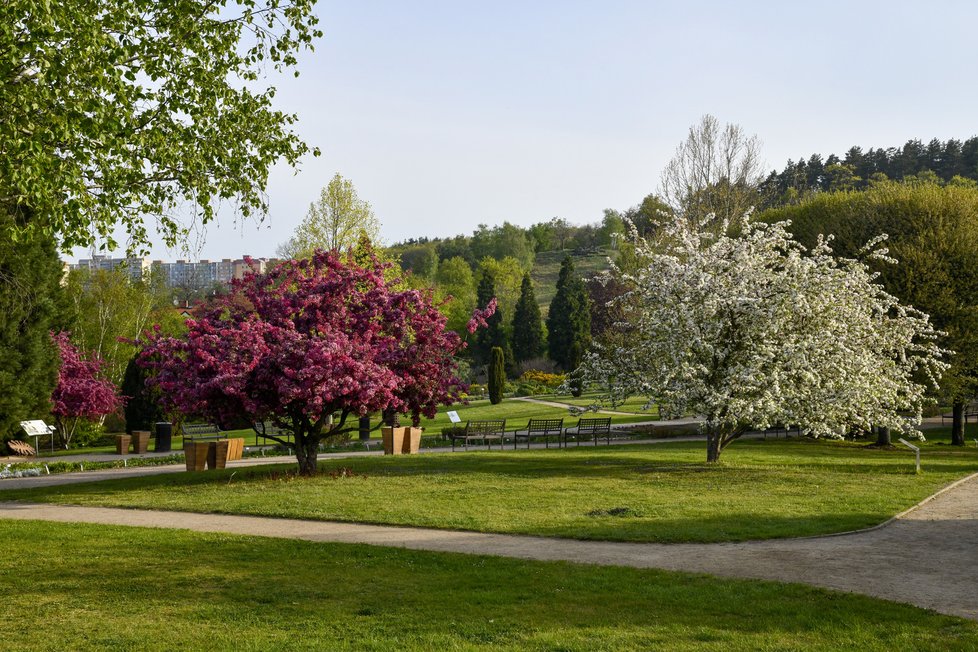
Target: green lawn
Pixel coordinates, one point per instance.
(517, 414)
(634, 404)
(89, 587)
(663, 492)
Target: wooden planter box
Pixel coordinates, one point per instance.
(140, 441)
(393, 440)
(196, 454)
(412, 441)
(122, 444)
(401, 441)
(217, 454)
(235, 448)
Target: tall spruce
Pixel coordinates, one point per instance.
(569, 320)
(31, 306)
(493, 334)
(527, 324)
(497, 375)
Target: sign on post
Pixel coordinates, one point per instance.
(453, 416)
(915, 449)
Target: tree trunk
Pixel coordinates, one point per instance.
(391, 418)
(883, 436)
(306, 451)
(364, 428)
(957, 424)
(713, 439)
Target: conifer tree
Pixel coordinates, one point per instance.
(31, 301)
(527, 324)
(569, 321)
(493, 334)
(497, 375)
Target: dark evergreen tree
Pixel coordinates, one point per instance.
(527, 324)
(569, 321)
(497, 375)
(141, 409)
(493, 334)
(945, 159)
(31, 306)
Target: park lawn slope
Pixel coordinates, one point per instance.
(656, 493)
(102, 587)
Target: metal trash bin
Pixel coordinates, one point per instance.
(164, 436)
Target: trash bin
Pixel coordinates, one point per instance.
(164, 436)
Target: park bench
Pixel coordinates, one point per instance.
(592, 427)
(201, 432)
(970, 411)
(266, 429)
(484, 431)
(21, 448)
(37, 429)
(545, 428)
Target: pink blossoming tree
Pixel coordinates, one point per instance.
(308, 345)
(82, 391)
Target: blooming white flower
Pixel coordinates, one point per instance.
(753, 330)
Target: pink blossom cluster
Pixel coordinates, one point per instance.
(82, 391)
(309, 339)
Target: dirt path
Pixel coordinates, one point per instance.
(927, 556)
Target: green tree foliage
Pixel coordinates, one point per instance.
(334, 222)
(141, 408)
(569, 319)
(109, 310)
(454, 279)
(506, 241)
(527, 324)
(944, 159)
(420, 259)
(933, 233)
(117, 110)
(507, 275)
(493, 335)
(31, 306)
(497, 375)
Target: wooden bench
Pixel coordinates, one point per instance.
(970, 411)
(266, 429)
(21, 448)
(545, 428)
(484, 431)
(593, 427)
(201, 432)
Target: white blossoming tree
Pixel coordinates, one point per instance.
(753, 330)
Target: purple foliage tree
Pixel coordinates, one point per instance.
(308, 345)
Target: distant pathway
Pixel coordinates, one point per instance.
(566, 406)
(927, 556)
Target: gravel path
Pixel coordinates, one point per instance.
(927, 556)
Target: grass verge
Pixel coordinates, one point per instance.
(662, 492)
(139, 589)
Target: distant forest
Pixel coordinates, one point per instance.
(857, 169)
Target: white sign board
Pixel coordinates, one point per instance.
(453, 416)
(35, 428)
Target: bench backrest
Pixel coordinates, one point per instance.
(594, 426)
(544, 426)
(200, 429)
(486, 427)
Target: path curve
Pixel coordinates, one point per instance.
(927, 556)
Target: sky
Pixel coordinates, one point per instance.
(447, 114)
